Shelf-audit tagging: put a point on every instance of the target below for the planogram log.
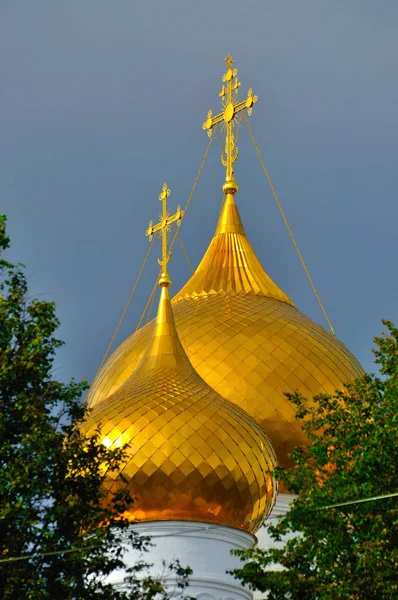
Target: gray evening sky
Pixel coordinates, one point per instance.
(101, 101)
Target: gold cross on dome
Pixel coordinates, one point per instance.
(163, 226)
(231, 107)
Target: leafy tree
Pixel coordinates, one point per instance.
(351, 551)
(57, 539)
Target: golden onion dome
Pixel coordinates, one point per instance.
(245, 337)
(192, 455)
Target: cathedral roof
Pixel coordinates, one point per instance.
(241, 332)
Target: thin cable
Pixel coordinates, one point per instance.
(288, 227)
(184, 251)
(355, 502)
(161, 535)
(151, 296)
(124, 310)
(193, 187)
(150, 307)
(40, 554)
(195, 529)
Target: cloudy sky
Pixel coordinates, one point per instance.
(100, 102)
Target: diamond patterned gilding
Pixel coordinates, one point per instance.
(193, 455)
(245, 338)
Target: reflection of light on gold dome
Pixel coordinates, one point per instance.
(192, 455)
(244, 337)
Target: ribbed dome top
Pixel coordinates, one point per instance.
(230, 263)
(192, 454)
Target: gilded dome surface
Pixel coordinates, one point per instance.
(245, 337)
(192, 454)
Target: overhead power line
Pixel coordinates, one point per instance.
(355, 502)
(195, 529)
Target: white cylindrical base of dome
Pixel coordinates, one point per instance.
(204, 547)
(265, 541)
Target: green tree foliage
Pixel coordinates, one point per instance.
(57, 540)
(349, 552)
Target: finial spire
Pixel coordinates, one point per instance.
(165, 349)
(229, 61)
(165, 220)
(231, 107)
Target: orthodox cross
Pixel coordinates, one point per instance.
(231, 107)
(165, 221)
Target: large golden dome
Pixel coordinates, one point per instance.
(245, 337)
(193, 455)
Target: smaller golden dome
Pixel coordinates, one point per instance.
(192, 454)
